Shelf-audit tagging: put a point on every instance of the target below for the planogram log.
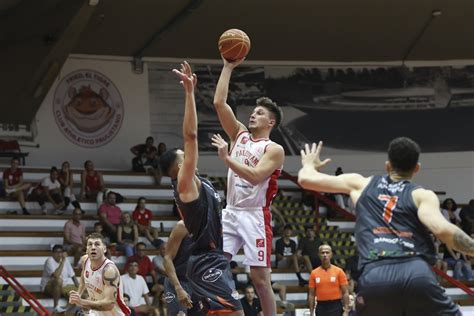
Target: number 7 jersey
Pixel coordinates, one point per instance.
(387, 224)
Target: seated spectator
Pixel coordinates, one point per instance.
(250, 303)
(135, 286)
(280, 288)
(286, 255)
(450, 211)
(352, 267)
(49, 190)
(66, 178)
(127, 235)
(158, 262)
(14, 186)
(58, 277)
(459, 262)
(99, 229)
(75, 236)
(145, 266)
(109, 216)
(92, 183)
(467, 217)
(143, 217)
(146, 159)
(234, 269)
(308, 247)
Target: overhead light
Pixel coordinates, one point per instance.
(436, 13)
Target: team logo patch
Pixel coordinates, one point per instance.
(235, 294)
(260, 243)
(318, 280)
(88, 108)
(244, 140)
(169, 297)
(87, 274)
(333, 279)
(211, 275)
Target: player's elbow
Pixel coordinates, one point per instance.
(304, 181)
(190, 135)
(218, 102)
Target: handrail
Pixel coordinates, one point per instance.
(29, 298)
(286, 175)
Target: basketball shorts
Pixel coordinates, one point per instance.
(174, 306)
(250, 228)
(211, 282)
(394, 287)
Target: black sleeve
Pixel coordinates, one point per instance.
(293, 246)
(279, 247)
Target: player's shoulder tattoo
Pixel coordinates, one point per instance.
(111, 275)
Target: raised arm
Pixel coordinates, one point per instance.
(271, 161)
(177, 235)
(310, 178)
(430, 215)
(229, 122)
(187, 186)
(111, 279)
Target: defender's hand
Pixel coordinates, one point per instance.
(221, 145)
(310, 156)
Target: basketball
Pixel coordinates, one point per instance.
(234, 44)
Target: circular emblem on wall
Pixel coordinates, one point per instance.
(88, 108)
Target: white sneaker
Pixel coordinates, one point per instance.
(59, 309)
(44, 210)
(59, 212)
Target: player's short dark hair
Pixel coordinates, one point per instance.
(272, 107)
(57, 247)
(125, 295)
(445, 203)
(86, 162)
(133, 261)
(140, 243)
(149, 138)
(95, 235)
(97, 224)
(403, 154)
(167, 160)
(15, 159)
(287, 226)
(53, 169)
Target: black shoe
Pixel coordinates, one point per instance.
(25, 212)
(12, 213)
(303, 282)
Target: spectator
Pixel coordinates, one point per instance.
(135, 286)
(450, 211)
(308, 248)
(126, 300)
(14, 186)
(286, 255)
(92, 183)
(307, 199)
(234, 269)
(250, 303)
(58, 277)
(328, 283)
(143, 217)
(66, 178)
(459, 262)
(440, 263)
(49, 190)
(109, 216)
(127, 235)
(146, 159)
(75, 236)
(98, 228)
(280, 288)
(145, 266)
(467, 217)
(352, 267)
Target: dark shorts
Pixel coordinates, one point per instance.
(407, 287)
(329, 308)
(172, 303)
(211, 281)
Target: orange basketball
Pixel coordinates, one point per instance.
(234, 44)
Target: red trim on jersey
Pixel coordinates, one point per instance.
(272, 187)
(124, 308)
(105, 260)
(267, 218)
(238, 135)
(258, 139)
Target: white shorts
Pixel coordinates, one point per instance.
(250, 228)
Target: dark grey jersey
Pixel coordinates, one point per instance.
(202, 218)
(387, 224)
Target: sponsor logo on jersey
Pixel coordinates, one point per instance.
(87, 274)
(333, 279)
(169, 297)
(244, 140)
(235, 294)
(211, 275)
(260, 243)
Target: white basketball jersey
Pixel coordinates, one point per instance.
(93, 279)
(241, 193)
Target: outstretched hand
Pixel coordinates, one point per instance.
(310, 156)
(184, 298)
(232, 64)
(188, 78)
(221, 145)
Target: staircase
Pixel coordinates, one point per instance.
(11, 304)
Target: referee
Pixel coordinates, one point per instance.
(328, 285)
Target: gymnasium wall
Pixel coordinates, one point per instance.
(452, 172)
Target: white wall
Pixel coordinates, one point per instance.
(54, 147)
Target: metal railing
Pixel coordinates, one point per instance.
(20, 290)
